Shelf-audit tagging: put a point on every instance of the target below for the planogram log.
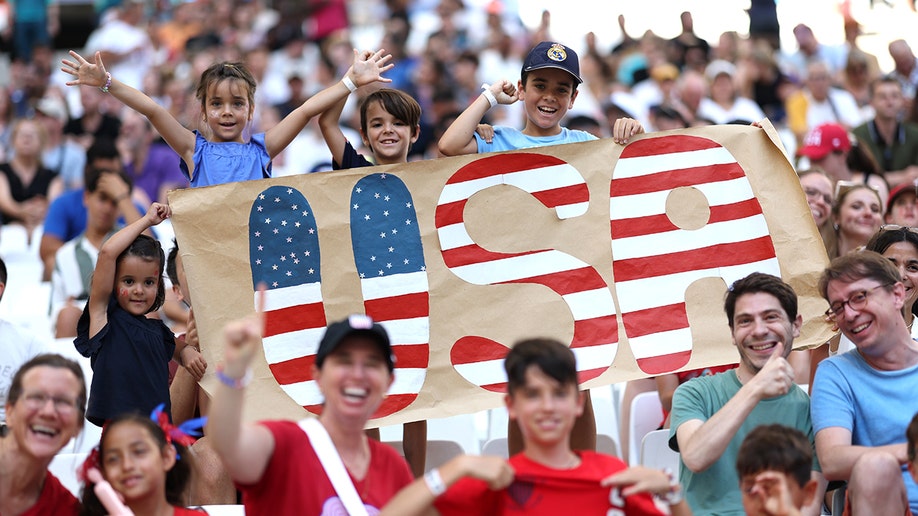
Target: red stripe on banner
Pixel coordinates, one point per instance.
(675, 178)
(450, 213)
(598, 330)
(393, 403)
(315, 409)
(589, 374)
(666, 145)
(294, 370)
(655, 320)
(664, 363)
(414, 356)
(472, 349)
(653, 224)
(407, 306)
(294, 318)
(720, 255)
(495, 387)
(472, 254)
(566, 282)
(502, 164)
(563, 196)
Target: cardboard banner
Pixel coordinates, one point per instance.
(624, 253)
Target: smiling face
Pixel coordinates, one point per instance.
(868, 326)
(544, 408)
(45, 416)
(759, 324)
(859, 216)
(354, 379)
(136, 284)
(904, 210)
(227, 110)
(134, 463)
(818, 190)
(388, 137)
(547, 95)
(904, 256)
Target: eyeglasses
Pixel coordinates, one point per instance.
(38, 400)
(812, 193)
(895, 227)
(856, 301)
(843, 187)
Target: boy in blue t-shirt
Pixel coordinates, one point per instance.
(547, 87)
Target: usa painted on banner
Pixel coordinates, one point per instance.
(597, 245)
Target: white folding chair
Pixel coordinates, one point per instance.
(656, 453)
(646, 416)
(496, 447)
(607, 445)
(439, 451)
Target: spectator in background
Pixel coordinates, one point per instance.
(95, 122)
(892, 143)
(63, 156)
(688, 51)
(125, 45)
(819, 192)
(856, 214)
(35, 22)
(66, 217)
(902, 206)
(809, 50)
(26, 187)
(906, 67)
(152, 165)
(763, 81)
(856, 80)
(827, 147)
(725, 105)
(818, 102)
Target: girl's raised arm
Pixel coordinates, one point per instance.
(93, 74)
(103, 278)
(367, 68)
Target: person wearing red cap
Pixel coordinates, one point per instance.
(827, 147)
(902, 206)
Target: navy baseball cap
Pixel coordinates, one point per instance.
(355, 325)
(549, 54)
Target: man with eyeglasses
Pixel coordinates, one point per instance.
(713, 414)
(864, 399)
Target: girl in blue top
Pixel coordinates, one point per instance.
(130, 353)
(227, 95)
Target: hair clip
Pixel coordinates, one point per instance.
(185, 434)
(92, 461)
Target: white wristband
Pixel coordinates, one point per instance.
(486, 91)
(349, 84)
(435, 482)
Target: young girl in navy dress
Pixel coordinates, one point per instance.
(147, 463)
(227, 95)
(130, 353)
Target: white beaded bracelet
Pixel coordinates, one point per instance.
(349, 84)
(486, 91)
(435, 482)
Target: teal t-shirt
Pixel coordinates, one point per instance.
(716, 489)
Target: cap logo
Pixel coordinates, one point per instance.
(360, 322)
(557, 52)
